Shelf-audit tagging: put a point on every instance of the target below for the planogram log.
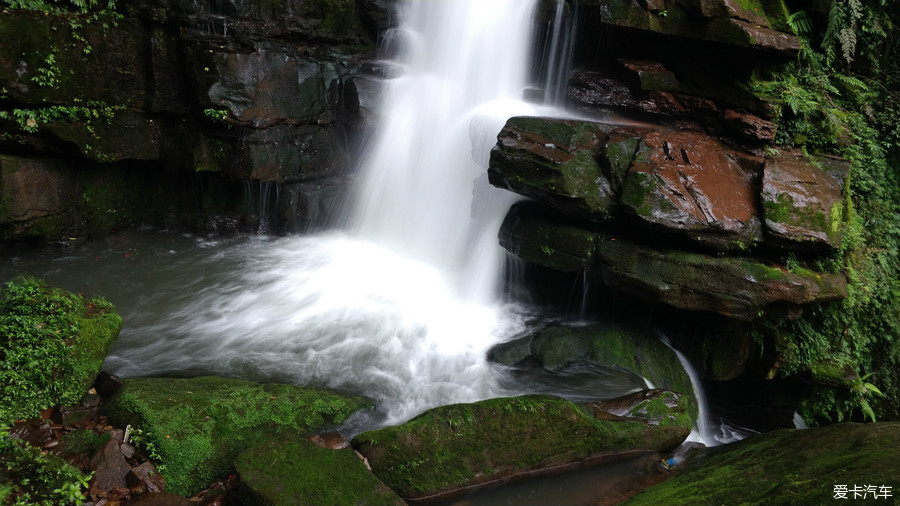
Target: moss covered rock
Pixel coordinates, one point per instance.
(197, 426)
(790, 467)
(297, 472)
(462, 445)
(52, 344)
(555, 162)
(802, 204)
(558, 346)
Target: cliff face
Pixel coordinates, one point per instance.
(113, 120)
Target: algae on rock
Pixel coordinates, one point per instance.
(461, 445)
(198, 426)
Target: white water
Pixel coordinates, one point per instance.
(403, 306)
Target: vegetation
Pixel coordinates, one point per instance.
(841, 97)
(789, 467)
(57, 6)
(194, 428)
(458, 445)
(52, 344)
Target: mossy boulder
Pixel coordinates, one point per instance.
(452, 447)
(537, 235)
(655, 406)
(557, 346)
(555, 162)
(802, 204)
(198, 426)
(737, 287)
(791, 467)
(298, 472)
(52, 344)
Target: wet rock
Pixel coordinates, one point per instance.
(652, 75)
(107, 384)
(656, 407)
(739, 288)
(330, 440)
(553, 161)
(533, 233)
(558, 346)
(460, 446)
(790, 466)
(71, 416)
(731, 9)
(687, 183)
(358, 104)
(750, 126)
(271, 85)
(802, 204)
(109, 467)
(200, 424)
(296, 471)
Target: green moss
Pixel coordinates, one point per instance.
(197, 426)
(635, 190)
(463, 444)
(787, 467)
(52, 343)
(299, 472)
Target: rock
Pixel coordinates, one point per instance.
(357, 105)
(71, 416)
(739, 288)
(652, 75)
(271, 85)
(655, 407)
(162, 498)
(109, 467)
(802, 204)
(750, 126)
(296, 471)
(543, 237)
(553, 161)
(732, 9)
(557, 346)
(34, 192)
(687, 183)
(145, 478)
(789, 466)
(107, 384)
(449, 448)
(745, 34)
(199, 425)
(736, 287)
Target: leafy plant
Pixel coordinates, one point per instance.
(842, 99)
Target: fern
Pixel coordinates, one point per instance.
(848, 43)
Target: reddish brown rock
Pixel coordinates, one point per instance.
(689, 183)
(144, 478)
(159, 499)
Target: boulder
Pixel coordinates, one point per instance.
(34, 193)
(655, 407)
(296, 471)
(555, 162)
(689, 184)
(198, 426)
(802, 204)
(449, 448)
(736, 287)
(859, 463)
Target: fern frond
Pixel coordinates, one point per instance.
(800, 23)
(848, 43)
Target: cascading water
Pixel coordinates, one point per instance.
(402, 306)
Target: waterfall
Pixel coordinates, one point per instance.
(403, 303)
(462, 69)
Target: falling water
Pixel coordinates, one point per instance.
(402, 306)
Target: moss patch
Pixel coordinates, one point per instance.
(52, 344)
(197, 426)
(789, 467)
(299, 472)
(464, 444)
